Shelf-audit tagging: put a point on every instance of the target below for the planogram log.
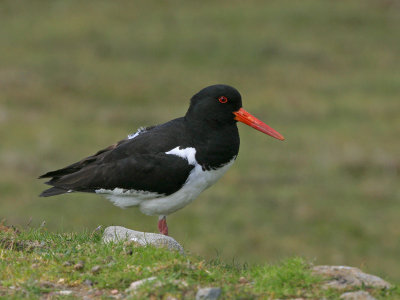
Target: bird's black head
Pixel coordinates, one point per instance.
(215, 103)
(221, 104)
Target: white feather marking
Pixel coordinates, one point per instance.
(187, 153)
(139, 131)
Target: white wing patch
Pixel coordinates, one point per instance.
(187, 153)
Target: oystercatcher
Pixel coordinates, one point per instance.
(163, 168)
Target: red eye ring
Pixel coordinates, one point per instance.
(223, 99)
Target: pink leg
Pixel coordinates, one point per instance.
(162, 225)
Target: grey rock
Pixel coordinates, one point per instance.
(134, 285)
(210, 293)
(359, 295)
(342, 277)
(118, 233)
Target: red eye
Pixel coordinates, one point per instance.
(223, 99)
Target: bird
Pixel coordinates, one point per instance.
(163, 168)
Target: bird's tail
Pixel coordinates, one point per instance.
(53, 191)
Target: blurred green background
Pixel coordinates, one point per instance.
(76, 76)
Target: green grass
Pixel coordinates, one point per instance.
(36, 263)
(76, 76)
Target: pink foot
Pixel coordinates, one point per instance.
(162, 225)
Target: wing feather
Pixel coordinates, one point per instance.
(159, 173)
(139, 163)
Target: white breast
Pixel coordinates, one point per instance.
(156, 204)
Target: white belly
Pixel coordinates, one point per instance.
(197, 182)
(156, 204)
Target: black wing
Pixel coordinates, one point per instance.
(139, 164)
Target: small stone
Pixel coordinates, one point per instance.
(134, 285)
(343, 277)
(359, 295)
(65, 293)
(96, 269)
(79, 266)
(88, 282)
(61, 281)
(114, 292)
(118, 233)
(34, 266)
(211, 293)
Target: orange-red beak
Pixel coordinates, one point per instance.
(248, 119)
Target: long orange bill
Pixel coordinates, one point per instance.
(248, 119)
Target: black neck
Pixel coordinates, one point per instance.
(217, 143)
